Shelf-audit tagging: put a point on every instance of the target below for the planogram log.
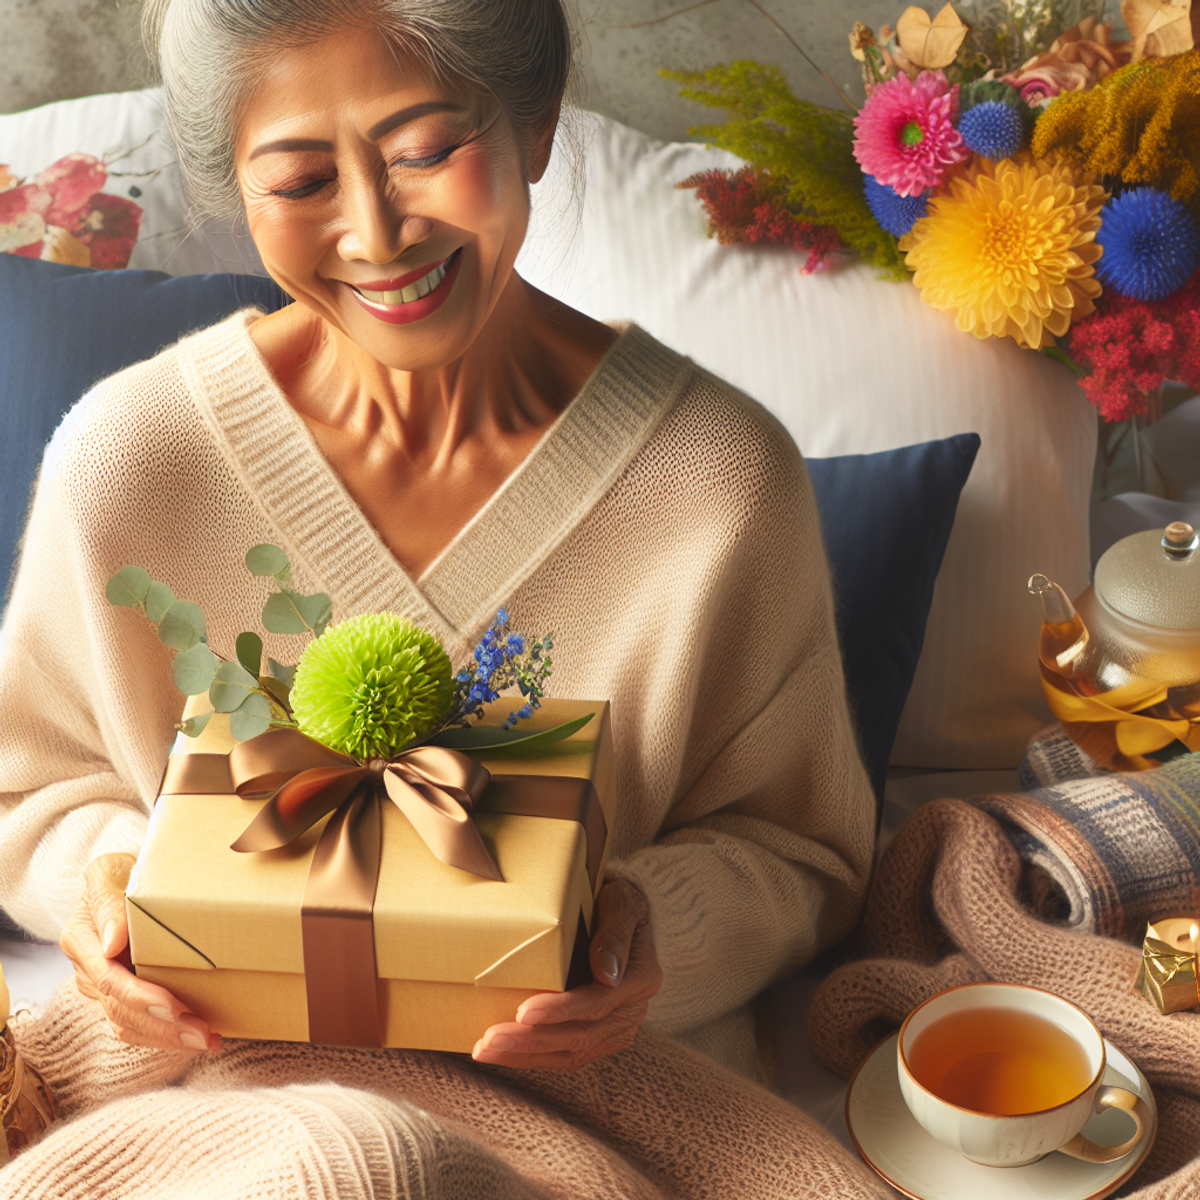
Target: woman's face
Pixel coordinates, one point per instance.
(388, 201)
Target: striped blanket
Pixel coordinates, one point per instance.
(1103, 852)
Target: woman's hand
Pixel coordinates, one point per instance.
(95, 938)
(562, 1031)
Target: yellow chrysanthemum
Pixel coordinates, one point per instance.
(1010, 248)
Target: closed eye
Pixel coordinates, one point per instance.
(430, 160)
(298, 193)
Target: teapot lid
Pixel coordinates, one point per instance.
(1153, 577)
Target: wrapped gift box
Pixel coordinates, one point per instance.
(454, 953)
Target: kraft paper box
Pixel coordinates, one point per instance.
(454, 953)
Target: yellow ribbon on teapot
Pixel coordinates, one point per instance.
(1113, 727)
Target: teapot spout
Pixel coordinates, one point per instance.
(1065, 646)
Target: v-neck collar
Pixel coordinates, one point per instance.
(559, 481)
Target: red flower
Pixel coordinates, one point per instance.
(750, 206)
(1130, 347)
(71, 182)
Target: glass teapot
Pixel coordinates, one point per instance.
(1133, 638)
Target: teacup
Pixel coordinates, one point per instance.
(1005, 1074)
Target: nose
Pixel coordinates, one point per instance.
(376, 230)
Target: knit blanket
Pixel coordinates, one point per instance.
(945, 909)
(1104, 852)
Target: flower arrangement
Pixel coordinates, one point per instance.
(369, 687)
(1034, 178)
(64, 216)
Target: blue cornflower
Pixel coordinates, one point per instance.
(1151, 245)
(896, 213)
(992, 129)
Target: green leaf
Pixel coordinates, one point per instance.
(249, 652)
(289, 612)
(252, 717)
(230, 687)
(182, 626)
(159, 598)
(285, 675)
(278, 689)
(128, 587)
(267, 561)
(194, 726)
(194, 669)
(489, 737)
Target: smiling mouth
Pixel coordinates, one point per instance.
(417, 290)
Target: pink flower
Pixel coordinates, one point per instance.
(905, 134)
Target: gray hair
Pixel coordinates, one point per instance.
(210, 52)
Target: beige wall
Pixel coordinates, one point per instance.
(50, 49)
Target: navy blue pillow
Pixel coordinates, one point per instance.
(886, 519)
(63, 329)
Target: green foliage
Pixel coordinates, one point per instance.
(253, 701)
(252, 717)
(194, 669)
(249, 652)
(807, 147)
(1007, 33)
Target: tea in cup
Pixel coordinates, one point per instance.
(1005, 1074)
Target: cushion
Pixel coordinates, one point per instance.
(850, 364)
(63, 329)
(886, 519)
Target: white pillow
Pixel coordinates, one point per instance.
(848, 362)
(124, 130)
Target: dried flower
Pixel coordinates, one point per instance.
(1009, 249)
(930, 43)
(1129, 347)
(749, 206)
(371, 685)
(862, 39)
(1160, 28)
(1151, 245)
(905, 133)
(1140, 124)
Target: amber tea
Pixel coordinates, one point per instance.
(999, 1060)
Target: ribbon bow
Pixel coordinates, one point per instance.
(434, 787)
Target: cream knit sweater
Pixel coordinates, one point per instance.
(664, 529)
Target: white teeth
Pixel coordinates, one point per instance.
(407, 295)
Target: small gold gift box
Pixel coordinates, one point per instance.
(453, 952)
(1167, 973)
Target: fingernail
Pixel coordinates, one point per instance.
(110, 936)
(610, 966)
(192, 1040)
(502, 1042)
(159, 1013)
(532, 1016)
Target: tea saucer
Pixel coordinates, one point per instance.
(912, 1161)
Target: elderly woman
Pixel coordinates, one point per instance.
(425, 433)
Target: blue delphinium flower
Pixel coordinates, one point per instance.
(896, 213)
(1151, 245)
(502, 658)
(992, 129)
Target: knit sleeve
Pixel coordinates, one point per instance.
(71, 735)
(763, 857)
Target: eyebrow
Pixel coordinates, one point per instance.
(378, 130)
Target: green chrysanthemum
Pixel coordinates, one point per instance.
(370, 685)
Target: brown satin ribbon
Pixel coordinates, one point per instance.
(436, 789)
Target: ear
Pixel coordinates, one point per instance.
(542, 145)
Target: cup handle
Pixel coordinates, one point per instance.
(1112, 1097)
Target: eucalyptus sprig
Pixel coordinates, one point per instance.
(254, 699)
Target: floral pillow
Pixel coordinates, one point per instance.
(63, 215)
